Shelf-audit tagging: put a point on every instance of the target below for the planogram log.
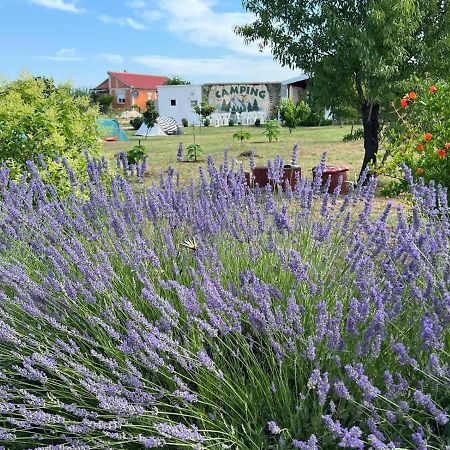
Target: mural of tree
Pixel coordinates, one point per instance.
(249, 107)
(224, 105)
(255, 105)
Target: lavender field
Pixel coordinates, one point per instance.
(213, 316)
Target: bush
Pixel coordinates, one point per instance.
(38, 117)
(231, 123)
(184, 122)
(420, 137)
(137, 122)
(257, 123)
(242, 135)
(313, 120)
(136, 154)
(206, 122)
(272, 129)
(193, 151)
(293, 114)
(203, 317)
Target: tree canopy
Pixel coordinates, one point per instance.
(356, 50)
(176, 80)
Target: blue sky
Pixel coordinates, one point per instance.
(80, 40)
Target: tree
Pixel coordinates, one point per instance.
(293, 114)
(42, 120)
(175, 81)
(150, 115)
(203, 110)
(356, 50)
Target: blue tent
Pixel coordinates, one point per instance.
(109, 130)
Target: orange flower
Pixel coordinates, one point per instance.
(419, 170)
(441, 153)
(412, 95)
(420, 147)
(447, 146)
(404, 102)
(433, 89)
(427, 136)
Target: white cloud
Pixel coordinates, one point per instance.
(236, 68)
(58, 4)
(111, 58)
(197, 22)
(123, 21)
(65, 55)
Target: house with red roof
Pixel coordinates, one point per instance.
(130, 89)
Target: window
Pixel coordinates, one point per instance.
(120, 95)
(173, 102)
(193, 103)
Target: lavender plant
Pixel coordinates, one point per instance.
(211, 316)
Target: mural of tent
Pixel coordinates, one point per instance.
(110, 130)
(162, 127)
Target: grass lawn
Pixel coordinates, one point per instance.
(313, 141)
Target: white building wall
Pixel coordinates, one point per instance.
(185, 97)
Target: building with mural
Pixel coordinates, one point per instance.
(244, 97)
(242, 102)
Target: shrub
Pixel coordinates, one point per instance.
(272, 129)
(231, 123)
(242, 135)
(211, 317)
(38, 117)
(257, 123)
(184, 122)
(206, 122)
(420, 137)
(136, 154)
(193, 152)
(313, 120)
(293, 114)
(136, 122)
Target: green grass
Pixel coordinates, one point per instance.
(313, 141)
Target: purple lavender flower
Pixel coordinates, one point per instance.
(273, 427)
(294, 157)
(310, 444)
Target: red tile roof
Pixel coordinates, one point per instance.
(139, 81)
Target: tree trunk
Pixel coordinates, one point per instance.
(371, 125)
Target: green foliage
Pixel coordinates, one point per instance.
(231, 123)
(420, 137)
(203, 110)
(193, 152)
(293, 114)
(272, 130)
(355, 49)
(104, 102)
(206, 123)
(175, 81)
(257, 122)
(185, 122)
(150, 114)
(136, 154)
(242, 135)
(358, 51)
(136, 122)
(38, 117)
(355, 135)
